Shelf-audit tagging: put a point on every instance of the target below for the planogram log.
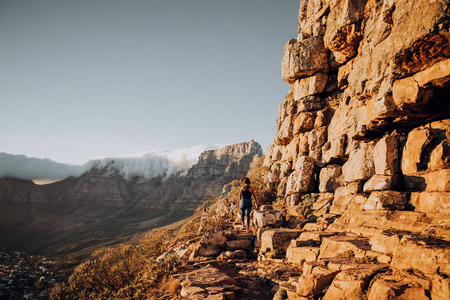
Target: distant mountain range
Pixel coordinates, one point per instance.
(110, 202)
(145, 164)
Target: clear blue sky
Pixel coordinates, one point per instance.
(93, 78)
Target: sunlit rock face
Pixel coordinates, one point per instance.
(366, 123)
(104, 186)
(369, 97)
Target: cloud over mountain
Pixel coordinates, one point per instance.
(145, 164)
(24, 167)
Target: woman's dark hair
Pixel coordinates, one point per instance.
(245, 180)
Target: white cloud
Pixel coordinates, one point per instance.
(148, 164)
(23, 167)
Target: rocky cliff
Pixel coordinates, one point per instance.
(367, 114)
(364, 134)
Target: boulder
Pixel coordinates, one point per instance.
(395, 287)
(381, 183)
(304, 121)
(440, 287)
(350, 284)
(240, 254)
(311, 17)
(385, 241)
(208, 277)
(239, 245)
(181, 252)
(323, 117)
(284, 133)
(334, 150)
(368, 222)
(351, 203)
(407, 93)
(386, 200)
(298, 255)
(339, 264)
(269, 218)
(328, 178)
(431, 202)
(427, 256)
(316, 236)
(360, 164)
(440, 156)
(418, 142)
(323, 203)
(226, 255)
(313, 284)
(310, 85)
(278, 239)
(302, 179)
(386, 156)
(310, 103)
(351, 188)
(317, 138)
(436, 75)
(210, 244)
(343, 32)
(334, 246)
(287, 108)
(436, 181)
(304, 58)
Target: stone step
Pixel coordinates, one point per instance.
(239, 245)
(205, 281)
(350, 283)
(308, 266)
(340, 264)
(244, 236)
(315, 226)
(313, 284)
(315, 235)
(305, 243)
(430, 256)
(277, 240)
(298, 255)
(237, 254)
(239, 234)
(368, 222)
(385, 241)
(344, 246)
(267, 217)
(408, 284)
(386, 285)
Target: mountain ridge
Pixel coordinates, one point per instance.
(71, 218)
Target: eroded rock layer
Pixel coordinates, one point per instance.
(364, 133)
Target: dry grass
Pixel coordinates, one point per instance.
(126, 271)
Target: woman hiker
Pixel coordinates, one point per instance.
(246, 200)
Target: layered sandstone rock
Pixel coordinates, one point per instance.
(366, 124)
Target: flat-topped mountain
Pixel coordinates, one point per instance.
(105, 186)
(103, 206)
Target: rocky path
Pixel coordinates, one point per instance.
(235, 273)
(326, 257)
